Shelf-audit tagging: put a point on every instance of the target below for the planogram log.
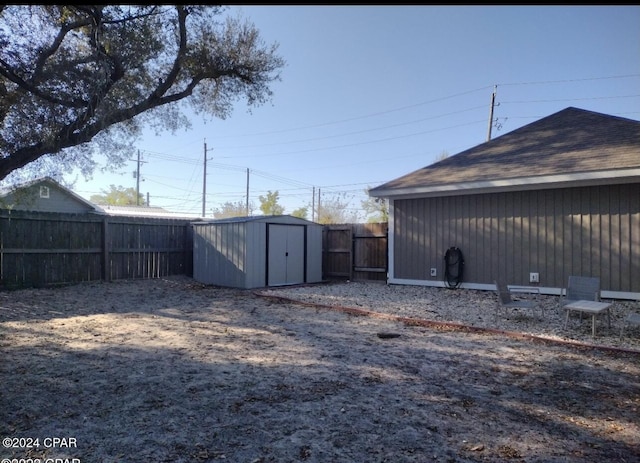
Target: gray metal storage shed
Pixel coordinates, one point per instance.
(254, 252)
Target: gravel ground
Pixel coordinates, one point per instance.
(170, 370)
(472, 308)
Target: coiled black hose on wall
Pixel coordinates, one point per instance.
(453, 267)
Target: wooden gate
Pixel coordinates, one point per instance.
(355, 251)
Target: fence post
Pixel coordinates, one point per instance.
(106, 275)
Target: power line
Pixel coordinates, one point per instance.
(571, 99)
(375, 129)
(366, 116)
(351, 145)
(185, 160)
(435, 100)
(190, 160)
(569, 81)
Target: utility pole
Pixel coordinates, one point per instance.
(247, 206)
(138, 182)
(204, 179)
(136, 174)
(313, 204)
(493, 102)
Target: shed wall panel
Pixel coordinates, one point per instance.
(219, 254)
(590, 231)
(256, 263)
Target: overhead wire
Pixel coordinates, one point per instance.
(326, 189)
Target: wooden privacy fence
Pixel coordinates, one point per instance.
(40, 249)
(43, 249)
(355, 251)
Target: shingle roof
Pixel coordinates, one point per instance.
(570, 144)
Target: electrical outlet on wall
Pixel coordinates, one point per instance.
(534, 277)
(434, 272)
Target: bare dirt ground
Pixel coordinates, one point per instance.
(173, 371)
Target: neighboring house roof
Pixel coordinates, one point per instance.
(143, 211)
(28, 196)
(571, 147)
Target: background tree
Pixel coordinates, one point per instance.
(231, 209)
(301, 213)
(335, 209)
(442, 156)
(70, 75)
(269, 203)
(118, 196)
(377, 209)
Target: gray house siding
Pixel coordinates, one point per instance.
(31, 199)
(591, 231)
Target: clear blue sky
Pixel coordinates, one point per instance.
(370, 93)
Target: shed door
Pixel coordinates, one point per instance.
(285, 265)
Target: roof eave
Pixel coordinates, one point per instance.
(513, 184)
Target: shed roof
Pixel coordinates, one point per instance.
(570, 147)
(259, 218)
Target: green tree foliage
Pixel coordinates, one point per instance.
(231, 209)
(377, 209)
(118, 196)
(269, 203)
(81, 80)
(301, 213)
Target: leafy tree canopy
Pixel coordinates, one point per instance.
(301, 212)
(71, 75)
(335, 209)
(231, 209)
(377, 209)
(118, 196)
(269, 203)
